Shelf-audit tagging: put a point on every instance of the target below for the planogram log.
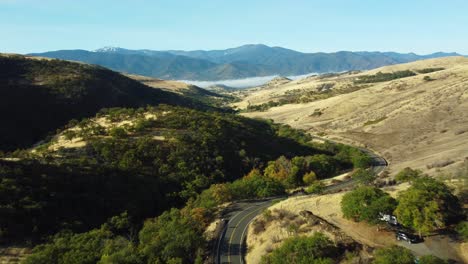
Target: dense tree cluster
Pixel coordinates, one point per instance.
(174, 237)
(126, 168)
(429, 70)
(363, 176)
(427, 205)
(384, 77)
(365, 203)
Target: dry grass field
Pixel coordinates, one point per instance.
(418, 121)
(167, 85)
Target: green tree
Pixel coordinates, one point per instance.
(365, 204)
(364, 176)
(393, 255)
(120, 251)
(361, 160)
(282, 170)
(427, 205)
(309, 178)
(317, 249)
(69, 134)
(170, 236)
(118, 132)
(316, 188)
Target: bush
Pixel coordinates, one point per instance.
(315, 188)
(462, 230)
(118, 132)
(365, 204)
(309, 178)
(428, 79)
(408, 174)
(317, 249)
(364, 176)
(430, 259)
(394, 255)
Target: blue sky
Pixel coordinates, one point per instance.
(421, 26)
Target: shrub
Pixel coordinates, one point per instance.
(118, 132)
(258, 226)
(317, 249)
(430, 259)
(428, 79)
(309, 178)
(408, 174)
(364, 176)
(394, 255)
(462, 230)
(69, 134)
(315, 188)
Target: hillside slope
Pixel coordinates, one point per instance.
(142, 161)
(419, 121)
(37, 96)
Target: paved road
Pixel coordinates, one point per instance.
(230, 247)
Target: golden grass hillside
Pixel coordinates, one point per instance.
(167, 85)
(415, 121)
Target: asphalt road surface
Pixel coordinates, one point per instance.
(230, 247)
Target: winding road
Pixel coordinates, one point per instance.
(230, 246)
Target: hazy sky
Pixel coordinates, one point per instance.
(421, 26)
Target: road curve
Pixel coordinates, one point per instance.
(230, 246)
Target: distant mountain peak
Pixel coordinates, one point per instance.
(109, 49)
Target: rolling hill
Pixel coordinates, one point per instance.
(235, 63)
(38, 96)
(414, 120)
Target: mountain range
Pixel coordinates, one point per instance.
(251, 60)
